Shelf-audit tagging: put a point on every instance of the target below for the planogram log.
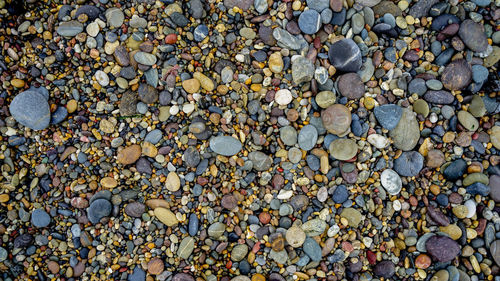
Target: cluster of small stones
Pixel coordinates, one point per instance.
(250, 140)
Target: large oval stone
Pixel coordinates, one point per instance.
(407, 133)
(225, 145)
(31, 109)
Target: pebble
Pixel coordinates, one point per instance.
(473, 36)
(456, 75)
(345, 55)
(385, 269)
(442, 248)
(406, 133)
(391, 181)
(40, 218)
(145, 58)
(351, 86)
(173, 182)
(336, 119)
(69, 28)
(343, 149)
(98, 209)
(165, 216)
(31, 110)
(353, 216)
(129, 155)
(295, 236)
(468, 120)
(225, 145)
(307, 138)
(186, 247)
(388, 115)
(302, 70)
(283, 97)
(312, 249)
(309, 21)
(409, 164)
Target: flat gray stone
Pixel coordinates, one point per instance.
(308, 136)
(145, 58)
(69, 28)
(225, 145)
(114, 17)
(40, 218)
(407, 132)
(31, 109)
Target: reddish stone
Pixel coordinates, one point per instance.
(171, 38)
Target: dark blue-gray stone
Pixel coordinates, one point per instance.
(455, 170)
(179, 19)
(340, 194)
(137, 275)
(65, 10)
(313, 162)
(99, 209)
(196, 9)
(152, 77)
(388, 115)
(40, 218)
(478, 188)
(23, 240)
(59, 115)
(193, 224)
(91, 11)
(307, 138)
(318, 5)
(421, 8)
(192, 157)
(309, 21)
(41, 90)
(154, 136)
(31, 109)
(417, 86)
(16, 140)
(312, 249)
(390, 54)
(200, 32)
(444, 57)
(479, 73)
(345, 55)
(339, 18)
(225, 145)
(473, 35)
(443, 20)
(439, 97)
(409, 164)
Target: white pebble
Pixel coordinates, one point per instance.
(391, 181)
(378, 141)
(102, 78)
(188, 108)
(285, 194)
(174, 110)
(471, 208)
(283, 97)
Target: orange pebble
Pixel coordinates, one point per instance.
(423, 261)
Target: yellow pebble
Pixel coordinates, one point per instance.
(369, 103)
(18, 83)
(475, 264)
(71, 106)
(4, 198)
(296, 5)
